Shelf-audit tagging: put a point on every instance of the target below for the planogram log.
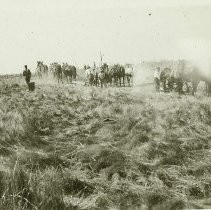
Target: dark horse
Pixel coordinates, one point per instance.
(103, 76)
(118, 72)
(69, 72)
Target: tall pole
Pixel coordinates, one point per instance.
(101, 59)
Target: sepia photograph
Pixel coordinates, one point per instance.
(105, 104)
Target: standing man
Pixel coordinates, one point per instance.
(157, 79)
(27, 74)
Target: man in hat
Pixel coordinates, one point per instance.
(27, 74)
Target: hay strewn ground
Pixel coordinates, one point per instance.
(76, 147)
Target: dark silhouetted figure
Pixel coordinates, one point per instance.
(27, 75)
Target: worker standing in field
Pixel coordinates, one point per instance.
(157, 79)
(27, 74)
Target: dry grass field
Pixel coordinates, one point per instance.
(69, 146)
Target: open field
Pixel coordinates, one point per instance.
(75, 147)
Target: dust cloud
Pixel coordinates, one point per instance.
(198, 52)
(142, 75)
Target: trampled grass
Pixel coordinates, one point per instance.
(68, 146)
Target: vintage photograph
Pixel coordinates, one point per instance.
(105, 104)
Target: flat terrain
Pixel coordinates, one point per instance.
(69, 146)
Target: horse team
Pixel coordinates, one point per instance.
(96, 76)
(60, 72)
(106, 75)
(182, 80)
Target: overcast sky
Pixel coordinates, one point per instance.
(76, 31)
